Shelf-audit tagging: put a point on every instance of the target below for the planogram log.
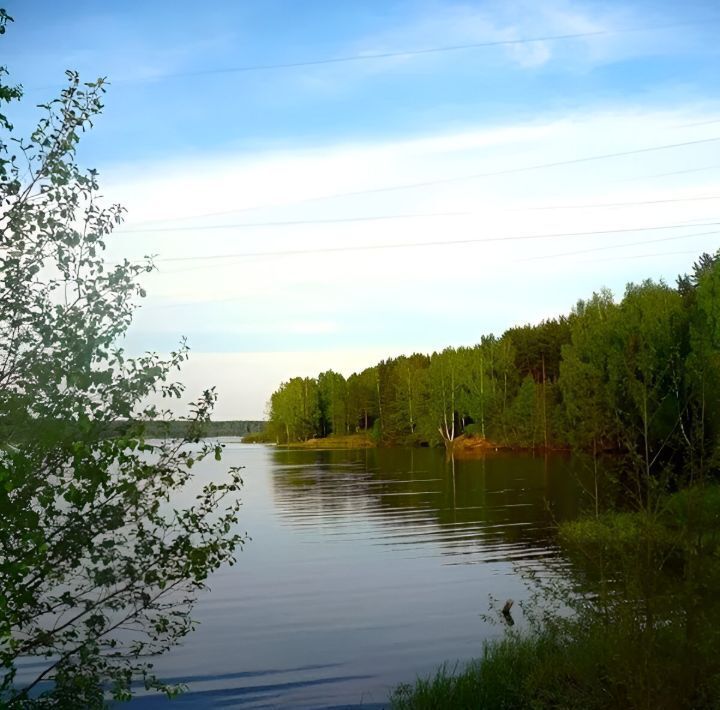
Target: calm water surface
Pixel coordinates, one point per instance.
(366, 568)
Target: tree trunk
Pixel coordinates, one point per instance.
(545, 430)
(380, 414)
(595, 476)
(647, 447)
(410, 402)
(482, 393)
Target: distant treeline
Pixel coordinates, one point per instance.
(640, 376)
(177, 428)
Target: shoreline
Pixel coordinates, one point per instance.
(462, 446)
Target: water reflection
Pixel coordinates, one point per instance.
(262, 691)
(366, 568)
(474, 510)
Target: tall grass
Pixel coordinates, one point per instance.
(644, 633)
(597, 668)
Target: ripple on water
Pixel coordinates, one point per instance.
(366, 568)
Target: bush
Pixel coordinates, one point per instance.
(639, 626)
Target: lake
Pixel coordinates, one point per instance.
(366, 568)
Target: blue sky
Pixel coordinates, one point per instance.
(157, 107)
(185, 134)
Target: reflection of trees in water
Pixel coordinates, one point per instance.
(509, 499)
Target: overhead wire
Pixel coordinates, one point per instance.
(608, 247)
(431, 243)
(414, 215)
(699, 123)
(432, 50)
(461, 178)
(230, 299)
(648, 255)
(670, 174)
(590, 205)
(369, 56)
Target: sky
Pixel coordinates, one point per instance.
(327, 184)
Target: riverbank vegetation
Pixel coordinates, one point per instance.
(360, 440)
(630, 619)
(176, 428)
(637, 376)
(633, 623)
(102, 553)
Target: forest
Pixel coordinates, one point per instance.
(638, 376)
(639, 572)
(175, 428)
(631, 387)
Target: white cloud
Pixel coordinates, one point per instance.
(411, 298)
(506, 22)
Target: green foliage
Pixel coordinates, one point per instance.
(174, 428)
(537, 349)
(493, 681)
(440, 398)
(362, 393)
(332, 394)
(635, 626)
(568, 665)
(522, 419)
(7, 94)
(695, 509)
(474, 430)
(264, 436)
(584, 375)
(98, 567)
(295, 413)
(634, 621)
(636, 377)
(535, 670)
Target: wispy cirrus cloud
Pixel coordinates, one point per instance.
(307, 292)
(589, 35)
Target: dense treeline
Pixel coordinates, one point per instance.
(151, 429)
(230, 427)
(631, 616)
(639, 376)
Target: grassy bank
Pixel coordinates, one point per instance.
(517, 672)
(644, 627)
(578, 668)
(470, 445)
(464, 445)
(350, 441)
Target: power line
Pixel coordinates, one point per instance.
(615, 246)
(229, 212)
(460, 178)
(648, 255)
(699, 123)
(415, 215)
(674, 172)
(369, 56)
(620, 246)
(297, 222)
(626, 204)
(434, 243)
(243, 69)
